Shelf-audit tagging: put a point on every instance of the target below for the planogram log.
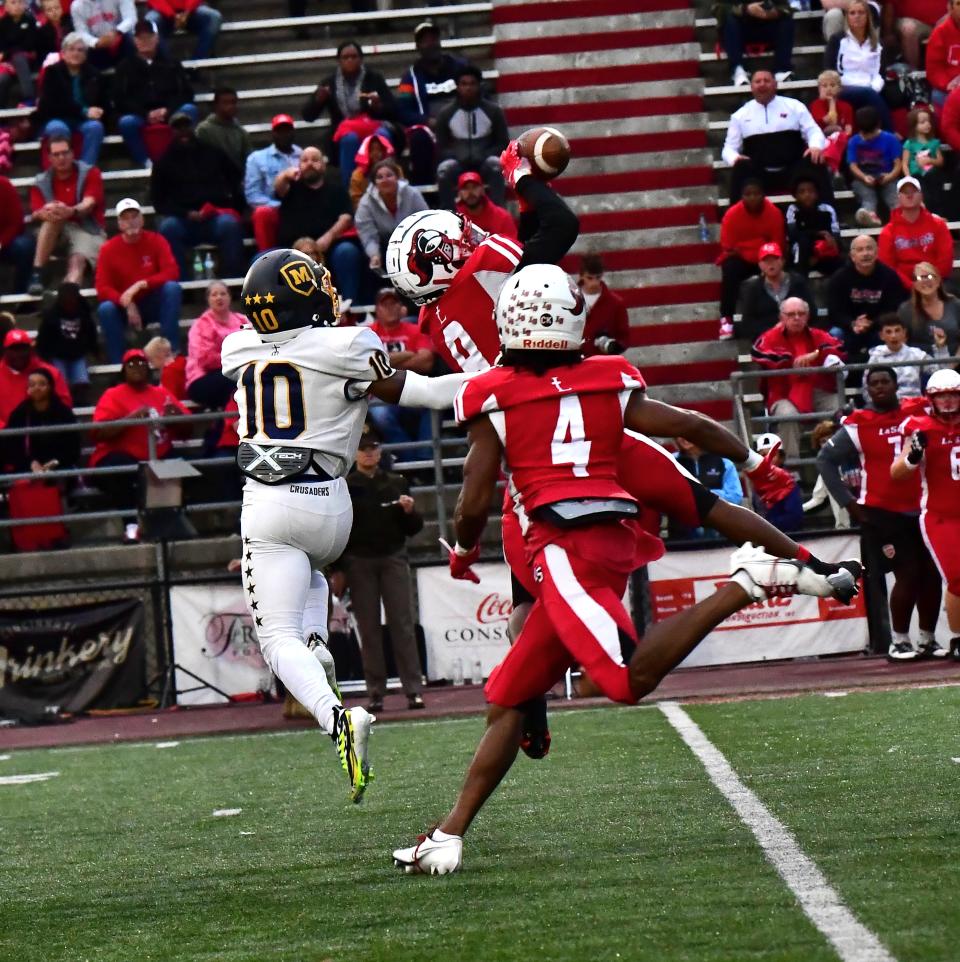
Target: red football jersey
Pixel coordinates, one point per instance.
(561, 432)
(940, 466)
(461, 322)
(878, 440)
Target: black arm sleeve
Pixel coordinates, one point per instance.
(548, 228)
(839, 450)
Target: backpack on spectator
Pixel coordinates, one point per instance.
(36, 499)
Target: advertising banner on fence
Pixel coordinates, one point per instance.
(464, 623)
(213, 637)
(71, 659)
(777, 628)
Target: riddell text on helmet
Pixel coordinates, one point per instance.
(534, 343)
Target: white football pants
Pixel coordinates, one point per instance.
(290, 531)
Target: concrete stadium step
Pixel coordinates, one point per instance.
(649, 238)
(697, 351)
(600, 59)
(632, 104)
(641, 160)
(665, 335)
(640, 202)
(620, 23)
(645, 258)
(634, 180)
(602, 82)
(646, 320)
(690, 372)
(660, 294)
(649, 219)
(609, 132)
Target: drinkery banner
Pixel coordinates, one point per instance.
(776, 628)
(71, 659)
(464, 623)
(214, 638)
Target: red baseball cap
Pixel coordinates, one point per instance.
(17, 336)
(280, 120)
(469, 177)
(134, 354)
(770, 250)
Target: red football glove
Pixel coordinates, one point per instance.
(514, 166)
(460, 563)
(770, 481)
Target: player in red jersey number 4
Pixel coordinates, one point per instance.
(933, 446)
(557, 421)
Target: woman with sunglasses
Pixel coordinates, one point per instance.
(931, 314)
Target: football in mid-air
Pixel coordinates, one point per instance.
(547, 150)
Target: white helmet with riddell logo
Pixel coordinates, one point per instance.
(943, 389)
(541, 309)
(426, 250)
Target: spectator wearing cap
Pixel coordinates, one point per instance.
(262, 169)
(607, 330)
(746, 226)
(786, 513)
(791, 343)
(136, 282)
(426, 87)
(68, 334)
(359, 103)
(198, 196)
(16, 244)
(762, 296)
(67, 202)
(72, 99)
(19, 359)
(471, 135)
(222, 130)
(316, 210)
(191, 15)
(387, 201)
(148, 88)
(105, 26)
(408, 349)
(378, 572)
(771, 138)
(473, 202)
(120, 445)
(914, 234)
(206, 384)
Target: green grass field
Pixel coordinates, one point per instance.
(616, 847)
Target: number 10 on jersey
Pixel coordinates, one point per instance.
(273, 401)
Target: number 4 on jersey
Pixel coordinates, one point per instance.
(570, 444)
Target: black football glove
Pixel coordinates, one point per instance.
(918, 443)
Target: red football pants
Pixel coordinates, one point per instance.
(576, 619)
(942, 536)
(266, 223)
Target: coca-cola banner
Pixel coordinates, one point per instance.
(214, 638)
(777, 628)
(465, 625)
(55, 660)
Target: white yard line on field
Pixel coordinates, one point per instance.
(27, 779)
(852, 940)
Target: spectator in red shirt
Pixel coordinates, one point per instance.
(19, 359)
(749, 224)
(206, 384)
(472, 202)
(133, 397)
(67, 202)
(792, 343)
(607, 330)
(136, 282)
(943, 55)
(914, 234)
(190, 15)
(410, 349)
(906, 24)
(16, 245)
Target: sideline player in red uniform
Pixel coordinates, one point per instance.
(557, 420)
(455, 272)
(887, 511)
(933, 445)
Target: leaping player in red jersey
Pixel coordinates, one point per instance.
(455, 273)
(557, 421)
(933, 446)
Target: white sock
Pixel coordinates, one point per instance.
(439, 836)
(753, 590)
(926, 637)
(901, 637)
(306, 680)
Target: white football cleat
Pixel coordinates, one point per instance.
(351, 734)
(431, 856)
(323, 654)
(764, 576)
